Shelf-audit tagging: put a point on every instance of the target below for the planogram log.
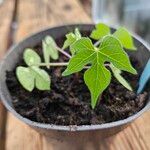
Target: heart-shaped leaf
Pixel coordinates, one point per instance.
(33, 77)
(42, 79)
(100, 31)
(125, 38)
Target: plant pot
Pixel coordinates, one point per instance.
(82, 133)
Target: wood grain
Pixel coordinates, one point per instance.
(6, 15)
(34, 15)
(50, 13)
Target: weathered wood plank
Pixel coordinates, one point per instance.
(87, 5)
(20, 136)
(6, 14)
(50, 13)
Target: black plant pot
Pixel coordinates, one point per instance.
(70, 133)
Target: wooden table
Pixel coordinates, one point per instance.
(20, 18)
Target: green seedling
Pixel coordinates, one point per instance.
(95, 59)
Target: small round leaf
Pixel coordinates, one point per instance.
(25, 78)
(31, 57)
(51, 47)
(42, 79)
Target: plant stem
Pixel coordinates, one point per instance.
(56, 64)
(68, 55)
(59, 64)
(63, 52)
(53, 64)
(97, 43)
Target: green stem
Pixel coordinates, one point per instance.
(97, 43)
(63, 52)
(68, 55)
(59, 64)
(52, 64)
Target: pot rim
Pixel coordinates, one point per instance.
(70, 127)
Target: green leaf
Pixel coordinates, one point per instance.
(31, 57)
(77, 34)
(45, 53)
(25, 78)
(77, 63)
(42, 79)
(49, 49)
(71, 38)
(97, 78)
(83, 44)
(33, 77)
(111, 50)
(125, 38)
(100, 31)
(85, 53)
(117, 75)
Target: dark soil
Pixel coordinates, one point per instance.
(68, 102)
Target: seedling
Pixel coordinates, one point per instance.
(95, 59)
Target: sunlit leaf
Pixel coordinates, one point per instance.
(77, 34)
(85, 54)
(97, 78)
(33, 77)
(31, 57)
(49, 49)
(71, 38)
(125, 38)
(25, 77)
(117, 75)
(42, 79)
(112, 51)
(100, 31)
